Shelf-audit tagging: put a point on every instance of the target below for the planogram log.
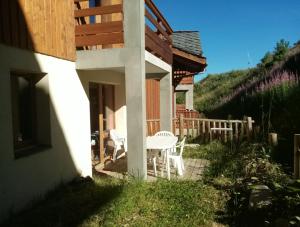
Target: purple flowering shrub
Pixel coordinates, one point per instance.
(276, 81)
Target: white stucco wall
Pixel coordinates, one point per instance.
(30, 177)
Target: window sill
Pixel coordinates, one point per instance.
(30, 150)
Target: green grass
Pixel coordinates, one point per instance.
(205, 151)
(220, 197)
(210, 91)
(112, 202)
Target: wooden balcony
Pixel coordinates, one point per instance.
(98, 27)
(158, 33)
(101, 27)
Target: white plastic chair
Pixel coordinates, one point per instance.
(119, 142)
(164, 133)
(152, 157)
(176, 158)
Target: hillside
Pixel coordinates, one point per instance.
(270, 93)
(217, 90)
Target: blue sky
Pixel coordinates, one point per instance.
(235, 34)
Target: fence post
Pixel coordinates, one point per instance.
(273, 139)
(296, 155)
(174, 126)
(249, 128)
(210, 135)
(181, 126)
(101, 139)
(236, 131)
(225, 132)
(203, 131)
(214, 132)
(256, 131)
(230, 132)
(193, 128)
(242, 130)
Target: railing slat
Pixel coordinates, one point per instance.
(158, 46)
(158, 26)
(158, 14)
(101, 39)
(108, 27)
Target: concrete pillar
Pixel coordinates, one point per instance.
(134, 35)
(189, 97)
(189, 94)
(166, 100)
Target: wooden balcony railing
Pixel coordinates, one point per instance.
(98, 27)
(158, 33)
(102, 27)
(188, 113)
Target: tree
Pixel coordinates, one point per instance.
(267, 60)
(180, 98)
(281, 50)
(297, 43)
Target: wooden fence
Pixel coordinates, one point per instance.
(153, 126)
(188, 113)
(207, 129)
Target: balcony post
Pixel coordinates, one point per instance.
(134, 35)
(166, 94)
(189, 97)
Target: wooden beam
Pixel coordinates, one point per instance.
(101, 138)
(77, 1)
(88, 29)
(102, 39)
(191, 57)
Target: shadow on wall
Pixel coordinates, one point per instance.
(31, 176)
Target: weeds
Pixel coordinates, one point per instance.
(236, 170)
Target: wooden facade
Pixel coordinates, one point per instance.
(45, 27)
(102, 101)
(187, 80)
(152, 99)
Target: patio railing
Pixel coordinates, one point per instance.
(207, 129)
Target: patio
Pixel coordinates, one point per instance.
(193, 169)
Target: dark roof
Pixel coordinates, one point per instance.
(188, 41)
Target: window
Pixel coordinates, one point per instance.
(30, 110)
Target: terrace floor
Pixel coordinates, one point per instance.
(193, 169)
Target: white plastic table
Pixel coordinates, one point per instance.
(163, 143)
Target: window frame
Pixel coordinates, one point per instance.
(32, 145)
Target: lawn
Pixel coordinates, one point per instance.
(117, 202)
(220, 198)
